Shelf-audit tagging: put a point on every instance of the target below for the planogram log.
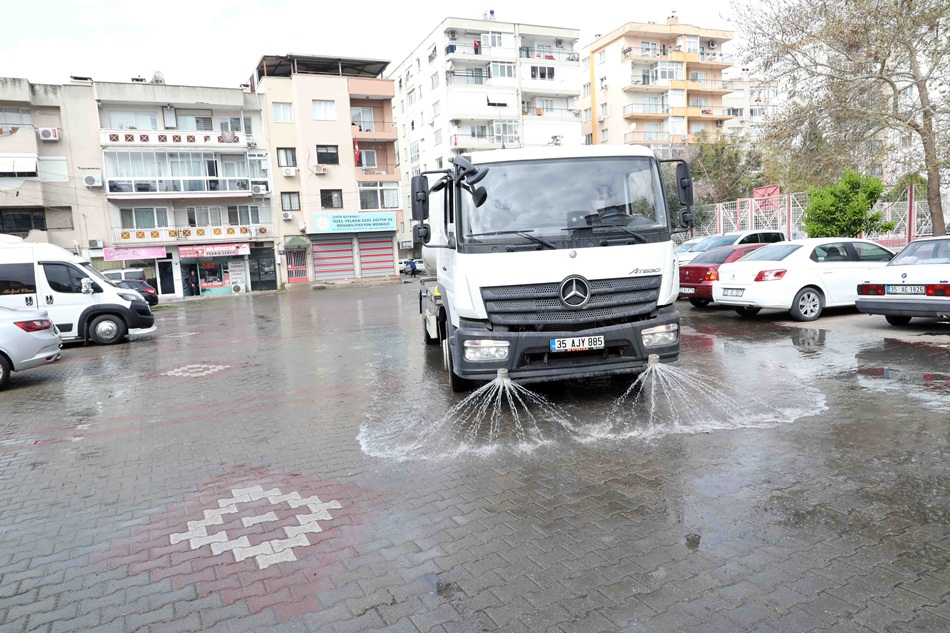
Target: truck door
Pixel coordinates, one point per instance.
(60, 292)
(18, 286)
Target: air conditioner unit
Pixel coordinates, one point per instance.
(95, 243)
(320, 169)
(48, 133)
(258, 189)
(720, 123)
(251, 142)
(289, 172)
(601, 117)
(559, 43)
(238, 288)
(92, 180)
(452, 35)
(712, 44)
(287, 215)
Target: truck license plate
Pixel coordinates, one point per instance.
(578, 344)
(732, 292)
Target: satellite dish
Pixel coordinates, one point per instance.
(633, 126)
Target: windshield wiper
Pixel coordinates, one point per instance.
(526, 233)
(636, 235)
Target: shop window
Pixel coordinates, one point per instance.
(328, 154)
(331, 198)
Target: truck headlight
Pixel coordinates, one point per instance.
(660, 335)
(485, 350)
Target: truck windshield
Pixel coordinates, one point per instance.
(552, 199)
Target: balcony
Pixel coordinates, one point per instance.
(708, 112)
(634, 54)
(712, 60)
(637, 83)
(484, 142)
(646, 137)
(459, 79)
(528, 52)
(712, 86)
(177, 139)
(562, 114)
(381, 172)
(193, 234)
(645, 110)
(164, 187)
(374, 131)
(458, 49)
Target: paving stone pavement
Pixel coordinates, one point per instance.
(211, 476)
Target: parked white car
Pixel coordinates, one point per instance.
(730, 239)
(801, 276)
(916, 283)
(27, 339)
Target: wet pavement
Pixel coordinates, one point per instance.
(297, 462)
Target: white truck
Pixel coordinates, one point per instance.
(550, 263)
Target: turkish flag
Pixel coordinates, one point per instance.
(356, 151)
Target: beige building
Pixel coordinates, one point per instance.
(332, 141)
(655, 84)
(749, 105)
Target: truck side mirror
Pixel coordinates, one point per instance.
(421, 234)
(479, 196)
(420, 198)
(686, 218)
(86, 286)
(684, 184)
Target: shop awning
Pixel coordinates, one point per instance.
(296, 242)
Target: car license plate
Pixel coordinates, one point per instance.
(732, 292)
(577, 344)
(905, 290)
(685, 290)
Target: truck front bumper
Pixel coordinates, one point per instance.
(530, 359)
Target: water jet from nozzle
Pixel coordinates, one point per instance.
(653, 359)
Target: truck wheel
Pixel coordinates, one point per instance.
(5, 370)
(746, 311)
(699, 302)
(807, 304)
(897, 320)
(107, 329)
(425, 334)
(457, 383)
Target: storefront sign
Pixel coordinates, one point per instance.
(354, 222)
(213, 250)
(133, 252)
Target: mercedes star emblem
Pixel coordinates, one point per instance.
(574, 292)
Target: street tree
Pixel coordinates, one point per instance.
(722, 169)
(860, 67)
(844, 208)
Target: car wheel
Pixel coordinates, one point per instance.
(5, 370)
(746, 311)
(457, 383)
(897, 320)
(107, 329)
(700, 303)
(807, 305)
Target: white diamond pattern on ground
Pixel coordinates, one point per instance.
(194, 371)
(269, 552)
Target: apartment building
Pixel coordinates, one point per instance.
(166, 178)
(749, 104)
(655, 84)
(330, 127)
(474, 85)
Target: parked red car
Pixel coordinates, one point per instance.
(697, 277)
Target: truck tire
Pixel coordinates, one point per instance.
(457, 383)
(107, 329)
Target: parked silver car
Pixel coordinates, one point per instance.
(27, 339)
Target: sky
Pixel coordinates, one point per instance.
(197, 42)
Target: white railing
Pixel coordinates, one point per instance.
(175, 138)
(645, 108)
(552, 113)
(205, 184)
(191, 234)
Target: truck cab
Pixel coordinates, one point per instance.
(551, 263)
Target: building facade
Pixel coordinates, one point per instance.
(749, 104)
(474, 85)
(658, 85)
(332, 139)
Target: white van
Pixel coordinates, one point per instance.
(83, 304)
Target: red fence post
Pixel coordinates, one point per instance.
(911, 216)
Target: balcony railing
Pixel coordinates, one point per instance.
(637, 80)
(552, 113)
(646, 137)
(710, 84)
(457, 78)
(176, 138)
(182, 185)
(380, 169)
(631, 51)
(467, 140)
(528, 52)
(193, 234)
(708, 110)
(716, 58)
(645, 108)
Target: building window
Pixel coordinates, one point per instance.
(290, 201)
(244, 214)
(197, 123)
(133, 120)
(283, 113)
(379, 195)
(368, 158)
(204, 216)
(603, 83)
(505, 131)
(734, 111)
(328, 155)
(15, 116)
(435, 80)
(22, 221)
(649, 49)
(603, 109)
(603, 135)
(587, 114)
(363, 118)
(331, 198)
(757, 111)
(436, 109)
(286, 157)
(437, 137)
(668, 70)
(503, 69)
(601, 56)
(411, 96)
(144, 218)
(414, 152)
(692, 43)
(586, 89)
(542, 72)
(588, 139)
(19, 167)
(323, 110)
(235, 124)
(493, 39)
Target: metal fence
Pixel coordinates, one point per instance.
(909, 210)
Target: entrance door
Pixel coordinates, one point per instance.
(296, 265)
(376, 256)
(166, 278)
(263, 269)
(333, 258)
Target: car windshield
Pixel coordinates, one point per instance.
(714, 242)
(712, 256)
(771, 253)
(925, 252)
(547, 199)
(685, 247)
